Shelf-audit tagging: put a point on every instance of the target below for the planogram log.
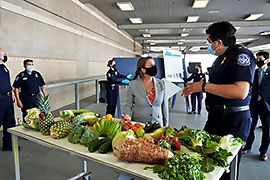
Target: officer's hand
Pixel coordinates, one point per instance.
(192, 88)
(125, 81)
(19, 104)
(129, 76)
(13, 98)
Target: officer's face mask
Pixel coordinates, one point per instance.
(260, 63)
(152, 71)
(210, 50)
(29, 68)
(114, 65)
(5, 58)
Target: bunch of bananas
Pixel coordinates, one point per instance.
(107, 128)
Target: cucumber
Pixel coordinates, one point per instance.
(106, 147)
(96, 144)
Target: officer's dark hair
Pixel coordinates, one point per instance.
(110, 62)
(141, 64)
(263, 53)
(26, 61)
(224, 31)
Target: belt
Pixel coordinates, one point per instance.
(224, 109)
(5, 94)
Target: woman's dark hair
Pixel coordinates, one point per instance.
(224, 31)
(110, 62)
(140, 64)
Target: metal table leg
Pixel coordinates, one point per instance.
(16, 156)
(97, 92)
(234, 168)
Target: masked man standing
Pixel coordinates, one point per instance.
(28, 84)
(6, 98)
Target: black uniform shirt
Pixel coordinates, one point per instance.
(5, 85)
(29, 84)
(114, 77)
(235, 64)
(197, 77)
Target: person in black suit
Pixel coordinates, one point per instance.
(260, 105)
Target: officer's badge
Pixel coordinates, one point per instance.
(224, 59)
(243, 60)
(25, 78)
(36, 75)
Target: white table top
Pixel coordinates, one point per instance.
(133, 169)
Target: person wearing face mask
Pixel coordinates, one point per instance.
(196, 77)
(228, 91)
(27, 85)
(146, 96)
(114, 78)
(7, 99)
(260, 105)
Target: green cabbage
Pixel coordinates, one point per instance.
(32, 118)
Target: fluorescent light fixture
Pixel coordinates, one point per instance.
(184, 34)
(214, 11)
(200, 3)
(146, 35)
(192, 18)
(265, 33)
(237, 27)
(135, 20)
(253, 17)
(152, 43)
(125, 6)
(182, 40)
(149, 40)
(250, 39)
(180, 43)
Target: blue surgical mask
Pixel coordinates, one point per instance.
(29, 68)
(210, 50)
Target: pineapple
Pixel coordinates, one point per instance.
(60, 129)
(46, 117)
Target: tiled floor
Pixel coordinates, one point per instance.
(42, 163)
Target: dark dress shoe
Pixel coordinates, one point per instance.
(191, 112)
(263, 157)
(199, 112)
(245, 151)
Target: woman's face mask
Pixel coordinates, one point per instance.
(152, 71)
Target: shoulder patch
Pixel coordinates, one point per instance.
(243, 60)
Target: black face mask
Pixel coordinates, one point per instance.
(5, 59)
(260, 63)
(152, 71)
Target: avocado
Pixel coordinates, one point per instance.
(156, 125)
(148, 127)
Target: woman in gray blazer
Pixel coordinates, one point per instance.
(146, 96)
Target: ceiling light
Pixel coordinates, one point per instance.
(180, 43)
(265, 33)
(181, 39)
(237, 27)
(192, 18)
(253, 17)
(152, 43)
(125, 6)
(135, 20)
(146, 35)
(184, 34)
(214, 11)
(250, 39)
(149, 40)
(200, 3)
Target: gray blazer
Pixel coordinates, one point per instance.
(143, 110)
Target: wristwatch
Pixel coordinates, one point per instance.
(203, 86)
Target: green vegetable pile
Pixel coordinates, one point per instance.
(32, 118)
(180, 167)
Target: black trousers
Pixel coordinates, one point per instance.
(238, 124)
(199, 99)
(28, 103)
(6, 119)
(112, 96)
(261, 110)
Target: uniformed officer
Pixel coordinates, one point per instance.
(231, 76)
(114, 78)
(196, 77)
(7, 99)
(28, 84)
